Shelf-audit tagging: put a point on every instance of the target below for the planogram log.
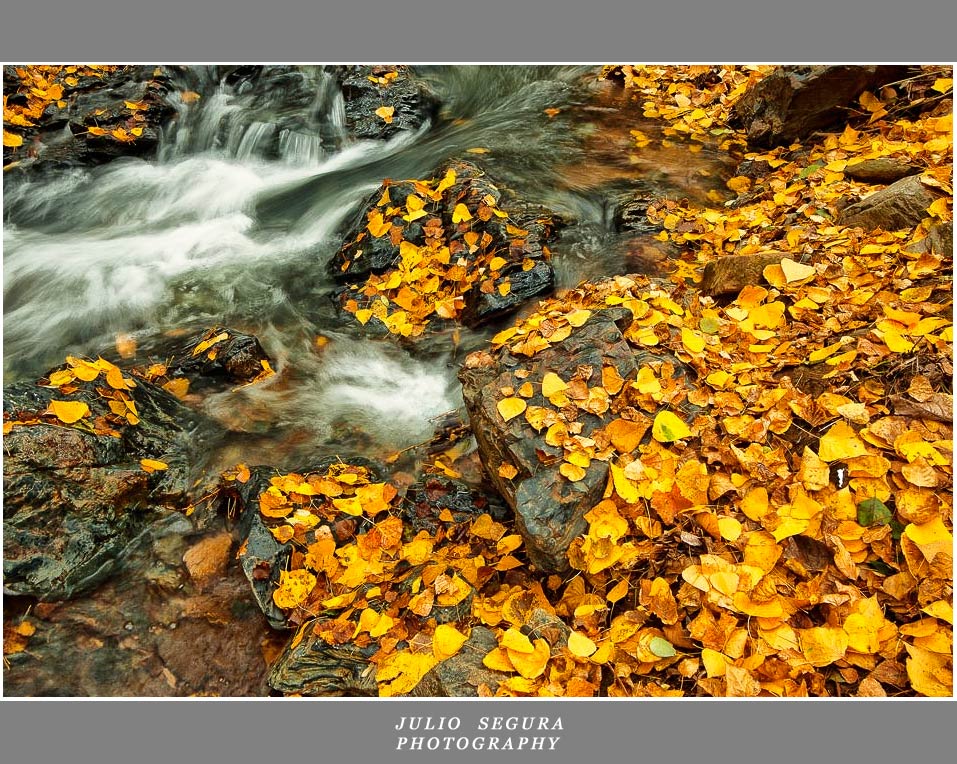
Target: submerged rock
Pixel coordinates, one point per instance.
(210, 359)
(82, 482)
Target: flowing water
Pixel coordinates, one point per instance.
(235, 219)
(233, 223)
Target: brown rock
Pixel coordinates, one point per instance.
(207, 559)
(939, 240)
(901, 205)
(794, 101)
(730, 275)
(880, 170)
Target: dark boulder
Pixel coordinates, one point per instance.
(213, 358)
(901, 205)
(794, 101)
(367, 89)
(426, 499)
(101, 115)
(413, 245)
(77, 496)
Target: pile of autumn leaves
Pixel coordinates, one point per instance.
(724, 559)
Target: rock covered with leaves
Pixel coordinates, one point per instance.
(81, 115)
(443, 249)
(381, 101)
(90, 452)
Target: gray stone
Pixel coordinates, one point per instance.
(901, 205)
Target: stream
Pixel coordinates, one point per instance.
(233, 223)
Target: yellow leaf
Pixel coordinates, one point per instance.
(447, 641)
(531, 665)
(941, 609)
(385, 112)
(693, 342)
(755, 504)
(377, 225)
(823, 645)
(840, 442)
(740, 184)
(62, 377)
(578, 317)
(507, 470)
(515, 641)
(580, 645)
(511, 407)
(668, 428)
(69, 412)
(152, 465)
(295, 587)
(400, 672)
(625, 488)
(930, 673)
(178, 387)
(460, 213)
(498, 660)
(943, 84)
(551, 384)
(796, 271)
(12, 140)
(571, 471)
(729, 528)
(207, 344)
(618, 591)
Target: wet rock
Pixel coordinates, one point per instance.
(881, 170)
(901, 205)
(263, 559)
(261, 555)
(207, 559)
(729, 275)
(549, 509)
(133, 637)
(369, 88)
(794, 101)
(62, 135)
(76, 501)
(463, 674)
(426, 499)
(500, 230)
(214, 358)
(313, 667)
(939, 241)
